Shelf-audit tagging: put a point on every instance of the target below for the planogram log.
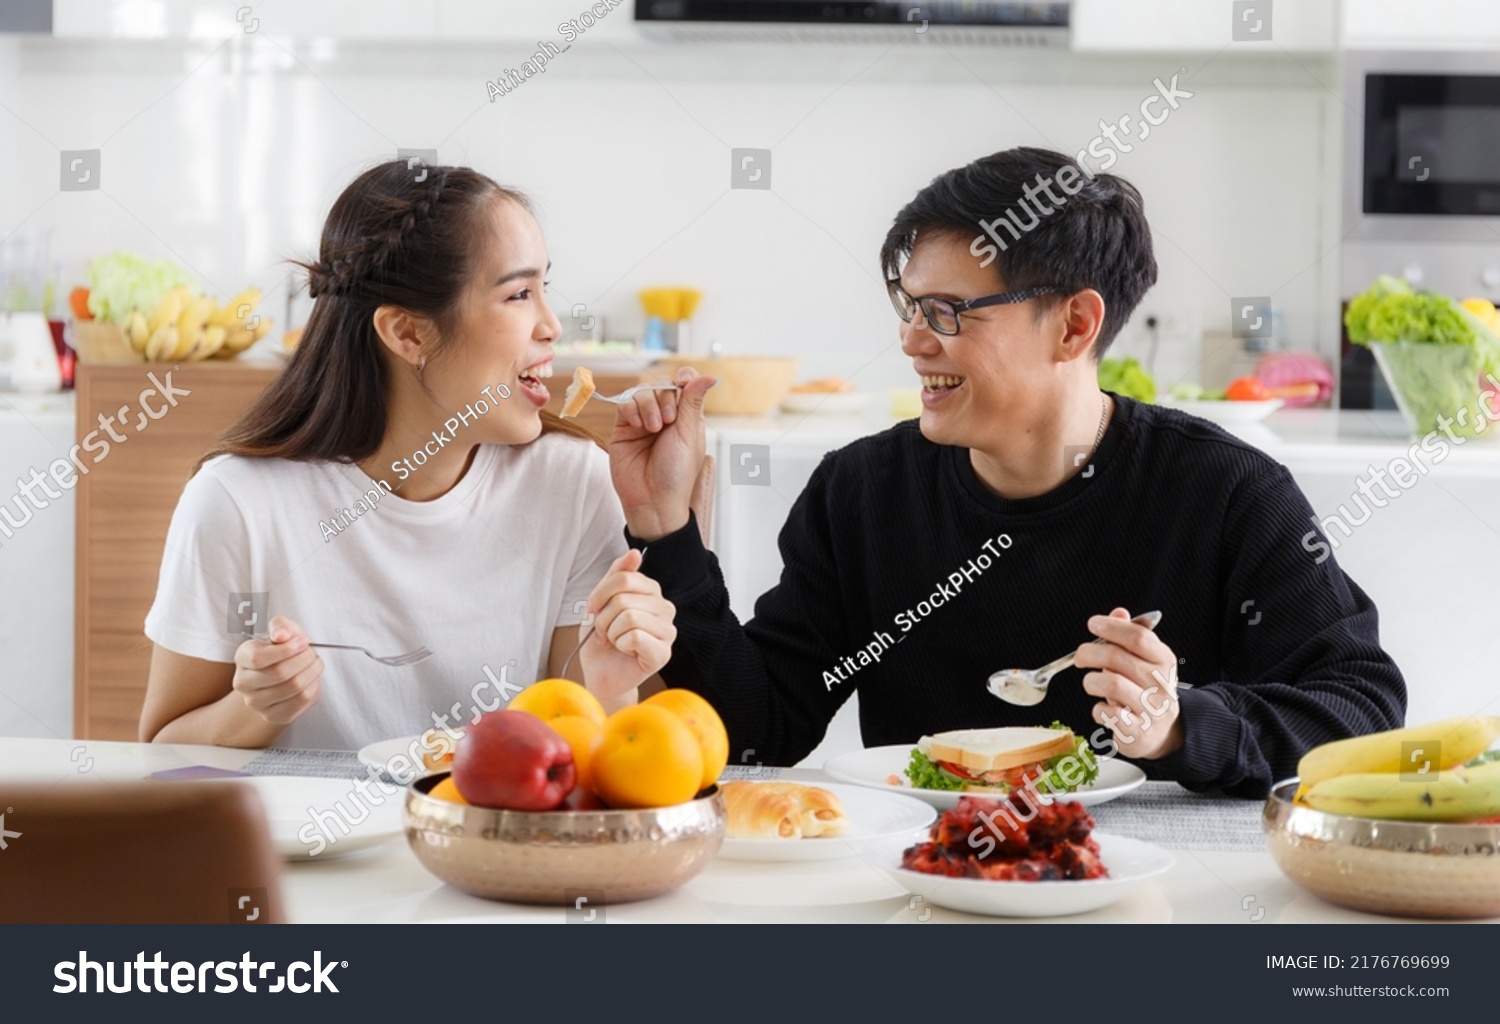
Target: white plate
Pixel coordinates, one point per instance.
(834, 402)
(1226, 412)
(308, 816)
(1130, 863)
(379, 755)
(873, 765)
(872, 817)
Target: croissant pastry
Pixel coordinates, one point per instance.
(755, 812)
(782, 810)
(822, 813)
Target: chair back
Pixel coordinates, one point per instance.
(147, 852)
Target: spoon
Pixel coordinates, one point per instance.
(1026, 687)
(583, 637)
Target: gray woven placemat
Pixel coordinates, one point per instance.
(317, 764)
(753, 773)
(1166, 814)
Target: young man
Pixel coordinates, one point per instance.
(1025, 510)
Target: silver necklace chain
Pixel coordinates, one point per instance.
(1103, 418)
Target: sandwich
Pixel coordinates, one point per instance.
(1003, 759)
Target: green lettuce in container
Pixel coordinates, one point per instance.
(1127, 377)
(1436, 356)
(123, 282)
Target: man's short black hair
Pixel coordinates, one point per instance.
(1097, 237)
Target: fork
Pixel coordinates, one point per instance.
(629, 393)
(583, 638)
(396, 660)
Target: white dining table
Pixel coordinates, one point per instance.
(386, 884)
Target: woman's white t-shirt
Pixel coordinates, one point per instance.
(481, 576)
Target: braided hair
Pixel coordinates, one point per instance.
(396, 236)
(366, 264)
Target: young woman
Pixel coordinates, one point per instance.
(398, 486)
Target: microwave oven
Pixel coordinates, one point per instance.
(1421, 185)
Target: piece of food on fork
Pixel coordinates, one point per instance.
(579, 392)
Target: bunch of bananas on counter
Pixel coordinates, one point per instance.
(185, 327)
(1437, 772)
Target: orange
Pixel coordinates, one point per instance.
(553, 698)
(582, 734)
(646, 757)
(708, 728)
(448, 790)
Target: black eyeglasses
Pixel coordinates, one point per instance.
(942, 315)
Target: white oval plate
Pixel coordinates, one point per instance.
(308, 816)
(379, 754)
(1130, 863)
(1226, 411)
(873, 765)
(834, 402)
(872, 817)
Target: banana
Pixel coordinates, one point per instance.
(213, 340)
(1462, 794)
(1450, 743)
(236, 340)
(192, 324)
(136, 331)
(162, 344)
(237, 310)
(167, 311)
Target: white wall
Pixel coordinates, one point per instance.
(225, 153)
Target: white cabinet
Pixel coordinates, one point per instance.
(1421, 24)
(410, 21)
(1201, 25)
(36, 572)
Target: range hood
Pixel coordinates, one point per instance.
(977, 23)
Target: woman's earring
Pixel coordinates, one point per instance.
(421, 364)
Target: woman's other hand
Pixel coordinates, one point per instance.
(632, 630)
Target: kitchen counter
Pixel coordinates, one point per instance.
(1300, 434)
(387, 885)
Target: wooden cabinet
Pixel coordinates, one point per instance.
(167, 418)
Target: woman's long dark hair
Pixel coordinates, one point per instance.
(390, 240)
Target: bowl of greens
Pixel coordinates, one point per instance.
(1127, 377)
(1441, 361)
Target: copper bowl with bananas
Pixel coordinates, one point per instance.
(1405, 822)
(1403, 868)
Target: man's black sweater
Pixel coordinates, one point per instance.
(898, 550)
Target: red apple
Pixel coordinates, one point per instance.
(513, 761)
